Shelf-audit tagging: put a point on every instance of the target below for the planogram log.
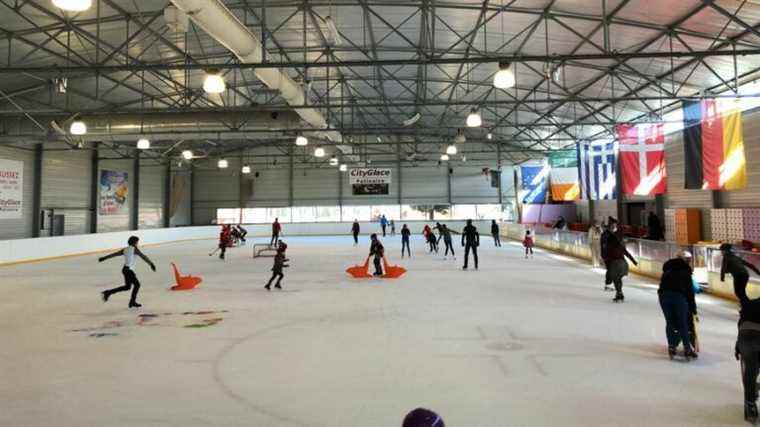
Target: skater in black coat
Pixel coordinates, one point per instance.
(377, 251)
(405, 235)
(355, 231)
(279, 264)
(676, 295)
(470, 241)
(614, 254)
(495, 233)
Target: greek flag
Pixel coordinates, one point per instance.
(597, 164)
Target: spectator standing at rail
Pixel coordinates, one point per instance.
(747, 348)
(676, 295)
(355, 231)
(594, 242)
(561, 223)
(495, 233)
(276, 230)
(383, 223)
(377, 251)
(405, 235)
(128, 271)
(470, 241)
(614, 254)
(654, 227)
(446, 235)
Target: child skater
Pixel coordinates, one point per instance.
(279, 264)
(377, 251)
(528, 243)
(225, 239)
(130, 279)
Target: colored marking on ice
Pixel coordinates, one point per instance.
(205, 323)
(103, 334)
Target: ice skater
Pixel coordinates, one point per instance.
(377, 251)
(470, 241)
(495, 233)
(737, 267)
(355, 231)
(676, 295)
(225, 240)
(614, 254)
(279, 264)
(422, 417)
(128, 271)
(393, 228)
(276, 230)
(405, 235)
(383, 223)
(528, 244)
(446, 235)
(242, 232)
(432, 242)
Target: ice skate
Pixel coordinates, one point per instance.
(750, 412)
(671, 352)
(134, 305)
(267, 288)
(104, 296)
(277, 286)
(619, 297)
(690, 354)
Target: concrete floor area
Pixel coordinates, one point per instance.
(517, 343)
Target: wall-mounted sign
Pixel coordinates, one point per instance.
(370, 181)
(11, 189)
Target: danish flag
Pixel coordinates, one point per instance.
(642, 158)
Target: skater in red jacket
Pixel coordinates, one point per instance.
(528, 243)
(225, 240)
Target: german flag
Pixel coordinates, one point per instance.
(713, 145)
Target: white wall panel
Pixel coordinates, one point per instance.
(424, 185)
(66, 181)
(316, 187)
(20, 228)
(215, 188)
(151, 204)
(470, 186)
(118, 221)
(270, 188)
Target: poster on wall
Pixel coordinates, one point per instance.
(114, 192)
(370, 181)
(11, 189)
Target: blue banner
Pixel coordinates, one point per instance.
(534, 180)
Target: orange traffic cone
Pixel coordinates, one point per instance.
(184, 283)
(392, 271)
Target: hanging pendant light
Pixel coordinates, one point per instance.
(333, 161)
(319, 152)
(222, 164)
(246, 169)
(473, 119)
(187, 155)
(343, 167)
(505, 77)
(489, 136)
(302, 141)
(214, 82)
(73, 5)
(444, 157)
(143, 144)
(78, 128)
(451, 149)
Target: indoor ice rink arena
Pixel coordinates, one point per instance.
(373, 213)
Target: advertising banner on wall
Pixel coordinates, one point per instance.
(370, 181)
(114, 192)
(11, 189)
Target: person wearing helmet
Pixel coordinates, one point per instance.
(676, 295)
(279, 264)
(128, 271)
(747, 349)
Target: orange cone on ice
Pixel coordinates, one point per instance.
(184, 283)
(359, 271)
(392, 271)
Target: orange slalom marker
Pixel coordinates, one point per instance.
(392, 271)
(359, 271)
(184, 283)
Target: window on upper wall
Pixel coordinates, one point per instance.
(361, 213)
(464, 212)
(255, 216)
(283, 215)
(489, 212)
(390, 211)
(415, 212)
(228, 216)
(327, 213)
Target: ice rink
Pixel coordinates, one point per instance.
(517, 343)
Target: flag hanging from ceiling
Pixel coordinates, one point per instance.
(563, 176)
(713, 145)
(642, 158)
(597, 168)
(533, 183)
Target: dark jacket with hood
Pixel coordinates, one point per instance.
(676, 277)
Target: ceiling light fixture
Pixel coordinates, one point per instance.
(444, 157)
(489, 136)
(319, 152)
(302, 141)
(143, 144)
(214, 82)
(451, 149)
(73, 5)
(333, 161)
(187, 155)
(222, 163)
(473, 119)
(505, 77)
(343, 167)
(78, 128)
(246, 169)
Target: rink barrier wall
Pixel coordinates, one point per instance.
(18, 251)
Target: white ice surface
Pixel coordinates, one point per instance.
(517, 343)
